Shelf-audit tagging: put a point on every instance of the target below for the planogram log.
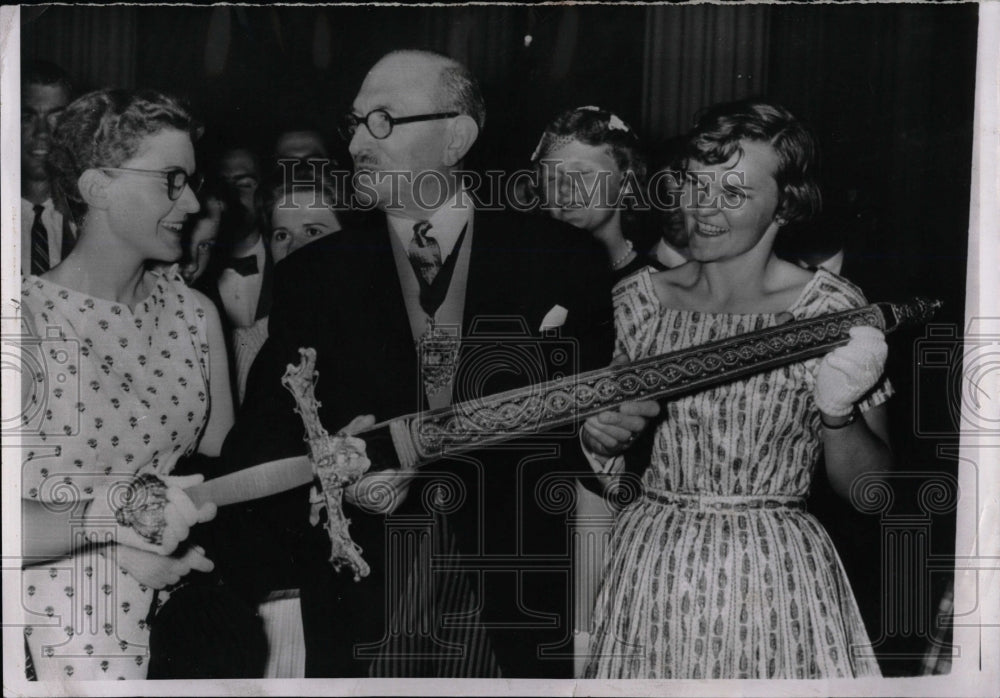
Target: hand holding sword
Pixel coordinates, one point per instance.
(610, 433)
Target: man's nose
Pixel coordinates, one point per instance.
(40, 128)
(359, 139)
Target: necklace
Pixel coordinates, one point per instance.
(618, 263)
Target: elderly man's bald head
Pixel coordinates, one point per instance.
(457, 88)
(434, 112)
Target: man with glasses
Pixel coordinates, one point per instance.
(432, 303)
(47, 235)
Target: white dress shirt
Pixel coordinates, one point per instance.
(241, 294)
(447, 224)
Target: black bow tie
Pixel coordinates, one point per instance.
(244, 266)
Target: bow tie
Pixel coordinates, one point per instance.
(244, 266)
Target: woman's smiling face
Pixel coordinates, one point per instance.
(728, 208)
(140, 213)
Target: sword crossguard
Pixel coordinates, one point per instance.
(338, 462)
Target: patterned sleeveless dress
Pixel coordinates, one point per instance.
(716, 571)
(134, 392)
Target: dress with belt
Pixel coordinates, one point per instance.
(717, 571)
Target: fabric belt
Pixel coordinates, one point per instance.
(712, 502)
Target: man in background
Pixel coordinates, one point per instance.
(47, 235)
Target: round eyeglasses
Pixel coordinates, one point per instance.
(380, 124)
(176, 178)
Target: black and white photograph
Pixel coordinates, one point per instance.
(501, 349)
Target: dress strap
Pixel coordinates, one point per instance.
(712, 502)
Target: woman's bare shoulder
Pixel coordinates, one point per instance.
(786, 276)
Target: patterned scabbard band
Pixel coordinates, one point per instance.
(143, 507)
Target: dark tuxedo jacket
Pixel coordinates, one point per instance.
(341, 295)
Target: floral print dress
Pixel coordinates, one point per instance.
(716, 571)
(122, 389)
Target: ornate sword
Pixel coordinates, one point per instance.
(416, 439)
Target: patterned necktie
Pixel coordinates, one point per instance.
(433, 274)
(39, 243)
(424, 253)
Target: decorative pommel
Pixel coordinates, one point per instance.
(143, 507)
(915, 312)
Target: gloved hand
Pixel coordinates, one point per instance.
(850, 371)
(159, 571)
(150, 512)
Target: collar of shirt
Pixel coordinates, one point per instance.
(446, 223)
(256, 251)
(53, 222)
(28, 209)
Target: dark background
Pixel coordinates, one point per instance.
(887, 88)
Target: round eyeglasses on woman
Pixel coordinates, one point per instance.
(176, 178)
(380, 124)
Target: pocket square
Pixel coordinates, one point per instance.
(554, 318)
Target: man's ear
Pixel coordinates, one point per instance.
(461, 135)
(93, 185)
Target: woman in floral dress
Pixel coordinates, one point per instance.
(716, 570)
(133, 376)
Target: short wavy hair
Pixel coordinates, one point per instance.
(719, 129)
(597, 127)
(105, 129)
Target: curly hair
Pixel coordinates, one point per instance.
(105, 129)
(719, 129)
(597, 127)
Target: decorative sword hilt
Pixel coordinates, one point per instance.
(338, 461)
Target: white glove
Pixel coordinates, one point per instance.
(150, 512)
(160, 571)
(850, 371)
